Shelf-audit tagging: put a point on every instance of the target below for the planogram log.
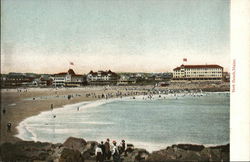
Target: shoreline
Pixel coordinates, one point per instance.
(154, 147)
(18, 109)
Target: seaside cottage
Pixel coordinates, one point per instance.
(102, 78)
(126, 80)
(43, 81)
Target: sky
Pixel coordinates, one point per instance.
(43, 36)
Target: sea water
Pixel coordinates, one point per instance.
(147, 123)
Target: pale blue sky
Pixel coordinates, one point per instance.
(133, 35)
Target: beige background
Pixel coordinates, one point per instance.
(240, 99)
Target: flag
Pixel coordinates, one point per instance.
(71, 63)
(185, 59)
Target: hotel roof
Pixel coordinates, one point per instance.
(197, 66)
(102, 73)
(70, 71)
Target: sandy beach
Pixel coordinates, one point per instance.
(19, 105)
(22, 103)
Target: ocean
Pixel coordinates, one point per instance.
(152, 124)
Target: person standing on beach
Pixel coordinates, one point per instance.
(123, 146)
(9, 127)
(4, 111)
(103, 150)
(51, 106)
(98, 153)
(115, 153)
(107, 150)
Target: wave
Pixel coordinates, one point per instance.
(25, 131)
(29, 128)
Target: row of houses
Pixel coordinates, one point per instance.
(20, 80)
(71, 79)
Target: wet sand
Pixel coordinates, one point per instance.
(20, 105)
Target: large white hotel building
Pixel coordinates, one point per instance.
(198, 72)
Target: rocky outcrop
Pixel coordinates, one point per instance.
(188, 152)
(189, 147)
(26, 151)
(75, 143)
(78, 150)
(136, 155)
(89, 151)
(69, 155)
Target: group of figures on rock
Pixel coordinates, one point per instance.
(105, 151)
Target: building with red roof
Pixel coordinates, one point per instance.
(210, 72)
(68, 79)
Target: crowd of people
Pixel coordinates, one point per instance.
(106, 151)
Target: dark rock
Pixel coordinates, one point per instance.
(43, 155)
(140, 154)
(190, 147)
(90, 145)
(220, 152)
(75, 143)
(89, 150)
(69, 155)
(130, 148)
(188, 152)
(25, 151)
(223, 148)
(78, 150)
(136, 155)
